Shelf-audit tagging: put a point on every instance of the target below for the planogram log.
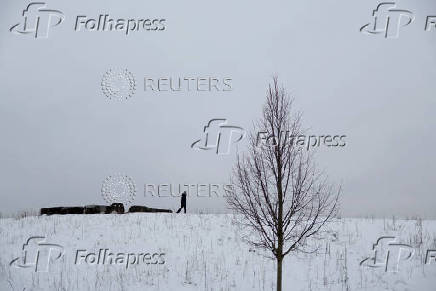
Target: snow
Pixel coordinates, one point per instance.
(205, 252)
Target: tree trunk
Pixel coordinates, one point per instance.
(279, 274)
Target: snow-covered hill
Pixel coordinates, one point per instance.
(205, 252)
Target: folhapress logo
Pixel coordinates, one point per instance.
(219, 136)
(107, 23)
(387, 254)
(387, 20)
(38, 20)
(37, 254)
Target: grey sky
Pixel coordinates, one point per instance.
(60, 136)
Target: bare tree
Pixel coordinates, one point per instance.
(281, 195)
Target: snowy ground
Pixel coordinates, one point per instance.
(205, 252)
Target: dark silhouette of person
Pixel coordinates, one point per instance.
(183, 202)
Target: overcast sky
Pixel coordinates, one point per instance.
(60, 136)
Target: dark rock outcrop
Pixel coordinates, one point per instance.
(139, 208)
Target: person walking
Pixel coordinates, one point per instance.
(183, 202)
